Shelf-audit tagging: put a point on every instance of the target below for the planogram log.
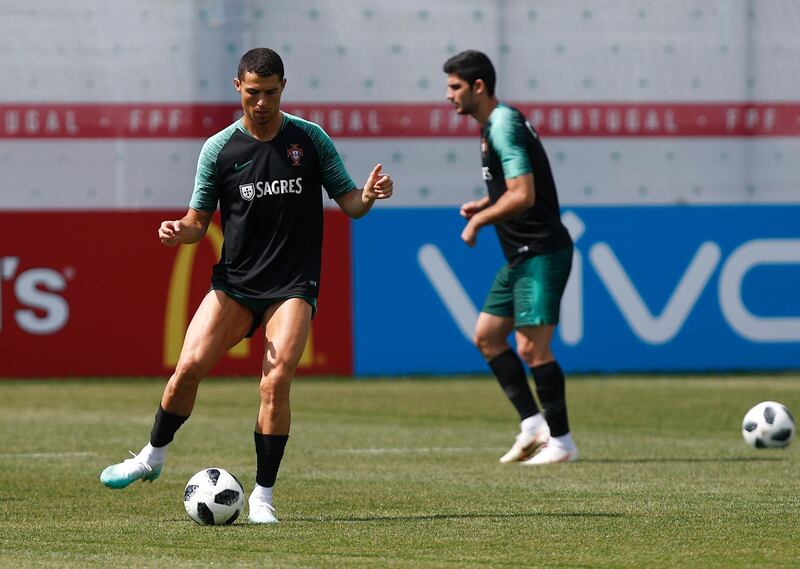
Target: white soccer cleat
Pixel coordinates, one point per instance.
(526, 444)
(553, 453)
(261, 513)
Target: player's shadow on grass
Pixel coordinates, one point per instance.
(678, 459)
(454, 516)
(243, 523)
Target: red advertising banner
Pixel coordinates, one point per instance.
(399, 120)
(96, 294)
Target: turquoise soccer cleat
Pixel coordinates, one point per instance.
(129, 471)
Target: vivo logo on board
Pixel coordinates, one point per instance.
(651, 327)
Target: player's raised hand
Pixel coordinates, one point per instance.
(378, 186)
(169, 232)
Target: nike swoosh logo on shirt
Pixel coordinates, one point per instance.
(238, 167)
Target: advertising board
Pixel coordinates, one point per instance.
(95, 293)
(651, 289)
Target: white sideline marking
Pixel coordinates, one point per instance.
(414, 450)
(45, 454)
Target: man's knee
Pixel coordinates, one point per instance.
(275, 382)
(490, 345)
(526, 352)
(533, 354)
(189, 370)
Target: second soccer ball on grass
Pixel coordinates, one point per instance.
(768, 425)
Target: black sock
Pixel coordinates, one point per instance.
(165, 427)
(269, 452)
(508, 369)
(550, 388)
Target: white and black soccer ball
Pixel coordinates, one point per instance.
(768, 425)
(213, 497)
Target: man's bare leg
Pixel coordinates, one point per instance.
(218, 324)
(286, 333)
(534, 346)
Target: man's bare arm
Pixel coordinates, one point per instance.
(189, 229)
(518, 197)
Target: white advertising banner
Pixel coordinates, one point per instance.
(690, 101)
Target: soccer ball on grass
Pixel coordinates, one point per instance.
(768, 425)
(213, 497)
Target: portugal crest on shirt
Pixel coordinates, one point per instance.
(248, 191)
(295, 153)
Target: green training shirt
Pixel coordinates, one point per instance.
(270, 200)
(510, 147)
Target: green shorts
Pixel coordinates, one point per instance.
(258, 307)
(531, 291)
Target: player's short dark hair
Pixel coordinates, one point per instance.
(262, 61)
(471, 65)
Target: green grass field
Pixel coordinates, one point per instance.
(387, 474)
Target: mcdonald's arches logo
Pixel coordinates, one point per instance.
(176, 319)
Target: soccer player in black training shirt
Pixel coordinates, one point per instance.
(266, 171)
(525, 297)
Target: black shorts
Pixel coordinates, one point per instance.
(259, 306)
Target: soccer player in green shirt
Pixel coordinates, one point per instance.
(525, 297)
(266, 173)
